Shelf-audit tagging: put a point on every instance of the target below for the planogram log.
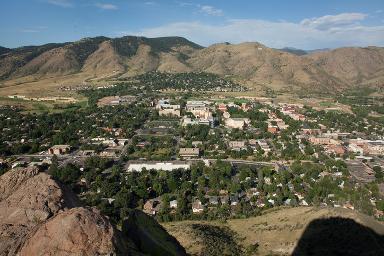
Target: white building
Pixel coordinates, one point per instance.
(167, 109)
(355, 149)
(173, 204)
(238, 123)
(199, 109)
(165, 166)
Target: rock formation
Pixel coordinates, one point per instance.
(38, 216)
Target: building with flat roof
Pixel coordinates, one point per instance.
(236, 123)
(237, 145)
(59, 149)
(189, 152)
(165, 166)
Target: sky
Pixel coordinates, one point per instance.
(303, 24)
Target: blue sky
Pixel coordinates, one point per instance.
(302, 24)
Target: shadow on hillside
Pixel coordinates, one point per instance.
(339, 236)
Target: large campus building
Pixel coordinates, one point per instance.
(165, 166)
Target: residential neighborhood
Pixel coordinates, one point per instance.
(206, 156)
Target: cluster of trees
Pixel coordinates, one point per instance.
(186, 81)
(120, 89)
(105, 179)
(152, 148)
(30, 133)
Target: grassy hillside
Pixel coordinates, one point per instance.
(276, 232)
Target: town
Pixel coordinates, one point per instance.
(181, 154)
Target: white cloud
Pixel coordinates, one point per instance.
(378, 11)
(183, 4)
(330, 21)
(106, 6)
(33, 29)
(210, 10)
(27, 30)
(61, 3)
(205, 9)
(276, 34)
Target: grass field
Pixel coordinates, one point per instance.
(43, 106)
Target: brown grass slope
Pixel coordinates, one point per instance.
(282, 232)
(12, 60)
(350, 65)
(104, 61)
(252, 62)
(55, 62)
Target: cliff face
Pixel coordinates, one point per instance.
(38, 216)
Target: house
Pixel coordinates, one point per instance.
(189, 152)
(224, 199)
(213, 200)
(336, 149)
(288, 201)
(59, 149)
(222, 107)
(264, 145)
(376, 147)
(323, 141)
(152, 206)
(252, 142)
(110, 152)
(273, 129)
(245, 107)
(234, 200)
(86, 152)
(311, 131)
(267, 180)
(260, 203)
(173, 204)
(197, 206)
(237, 145)
(197, 143)
(252, 192)
(2, 162)
(355, 149)
(281, 124)
(19, 163)
(226, 115)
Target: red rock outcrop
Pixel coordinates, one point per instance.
(38, 216)
(78, 231)
(28, 198)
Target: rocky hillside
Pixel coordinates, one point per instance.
(40, 217)
(253, 63)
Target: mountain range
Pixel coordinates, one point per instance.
(251, 63)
